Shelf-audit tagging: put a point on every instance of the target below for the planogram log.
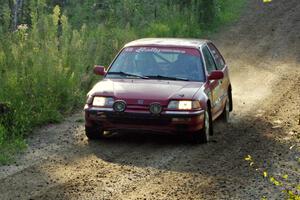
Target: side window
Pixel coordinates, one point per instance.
(218, 58)
(210, 64)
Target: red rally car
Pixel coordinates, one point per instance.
(164, 85)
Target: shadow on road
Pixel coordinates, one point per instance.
(226, 153)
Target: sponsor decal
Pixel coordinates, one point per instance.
(178, 50)
(140, 102)
(158, 50)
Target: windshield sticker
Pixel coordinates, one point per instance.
(157, 50)
(128, 50)
(189, 51)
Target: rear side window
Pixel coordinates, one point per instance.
(210, 64)
(218, 58)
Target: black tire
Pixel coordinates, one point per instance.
(230, 99)
(203, 136)
(225, 116)
(94, 133)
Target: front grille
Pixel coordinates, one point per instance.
(138, 119)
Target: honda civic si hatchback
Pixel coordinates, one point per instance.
(161, 85)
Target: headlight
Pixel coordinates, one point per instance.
(184, 105)
(103, 101)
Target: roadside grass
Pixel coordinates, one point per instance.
(230, 10)
(10, 148)
(227, 11)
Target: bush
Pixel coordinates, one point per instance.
(158, 30)
(2, 134)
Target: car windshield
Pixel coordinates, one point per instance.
(182, 64)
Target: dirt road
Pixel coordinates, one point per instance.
(263, 51)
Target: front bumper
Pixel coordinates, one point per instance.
(141, 120)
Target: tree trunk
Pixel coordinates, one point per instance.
(15, 12)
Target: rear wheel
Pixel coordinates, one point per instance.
(230, 99)
(226, 112)
(203, 136)
(94, 133)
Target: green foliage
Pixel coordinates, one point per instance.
(10, 148)
(46, 64)
(2, 134)
(9, 145)
(158, 30)
(228, 10)
(36, 77)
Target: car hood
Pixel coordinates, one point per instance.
(148, 91)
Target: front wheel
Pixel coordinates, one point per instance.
(94, 133)
(203, 136)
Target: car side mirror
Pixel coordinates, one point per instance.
(99, 70)
(216, 75)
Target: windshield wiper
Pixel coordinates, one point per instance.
(128, 74)
(168, 78)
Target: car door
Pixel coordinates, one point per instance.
(214, 85)
(221, 65)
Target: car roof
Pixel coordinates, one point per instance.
(175, 42)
